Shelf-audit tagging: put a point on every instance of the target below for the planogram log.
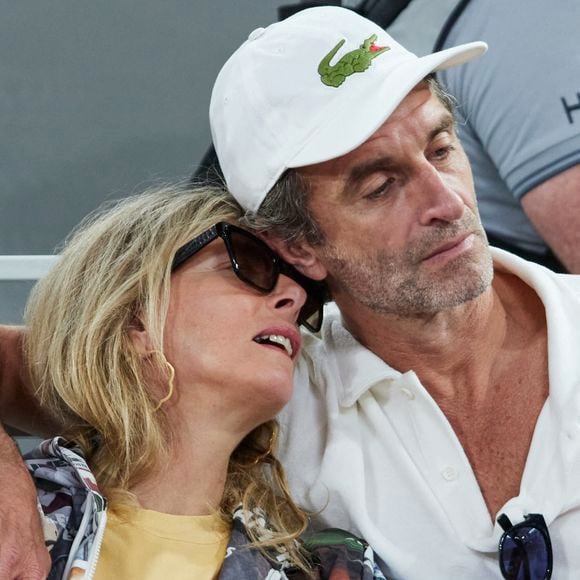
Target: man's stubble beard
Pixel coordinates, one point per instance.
(392, 284)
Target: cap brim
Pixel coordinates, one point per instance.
(344, 134)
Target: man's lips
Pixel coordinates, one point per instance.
(454, 246)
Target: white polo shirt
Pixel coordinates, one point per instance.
(369, 447)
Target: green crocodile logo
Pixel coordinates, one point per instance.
(355, 61)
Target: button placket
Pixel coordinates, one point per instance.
(445, 466)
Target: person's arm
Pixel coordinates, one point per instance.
(554, 209)
(22, 551)
(19, 407)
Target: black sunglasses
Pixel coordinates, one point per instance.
(257, 265)
(525, 550)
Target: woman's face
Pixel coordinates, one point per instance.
(232, 347)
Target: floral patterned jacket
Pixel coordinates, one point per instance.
(74, 515)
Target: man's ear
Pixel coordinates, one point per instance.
(140, 337)
(302, 255)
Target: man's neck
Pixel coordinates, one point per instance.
(450, 349)
(485, 364)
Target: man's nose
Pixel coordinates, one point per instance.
(439, 201)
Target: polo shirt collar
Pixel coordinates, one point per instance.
(358, 369)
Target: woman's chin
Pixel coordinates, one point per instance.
(275, 393)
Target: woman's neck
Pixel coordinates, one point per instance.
(192, 480)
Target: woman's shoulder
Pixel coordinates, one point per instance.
(332, 553)
(71, 506)
(58, 463)
(337, 552)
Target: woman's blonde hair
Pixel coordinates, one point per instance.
(114, 270)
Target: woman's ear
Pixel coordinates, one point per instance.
(302, 255)
(140, 337)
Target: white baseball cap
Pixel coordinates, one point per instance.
(308, 89)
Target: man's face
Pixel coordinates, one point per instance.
(399, 216)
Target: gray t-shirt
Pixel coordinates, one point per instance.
(520, 103)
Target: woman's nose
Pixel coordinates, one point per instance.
(288, 297)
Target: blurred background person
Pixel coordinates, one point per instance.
(519, 115)
(521, 123)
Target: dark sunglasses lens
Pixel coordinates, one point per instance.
(311, 313)
(524, 554)
(256, 265)
(255, 262)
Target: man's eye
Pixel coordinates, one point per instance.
(443, 152)
(381, 190)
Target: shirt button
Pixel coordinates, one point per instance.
(449, 473)
(408, 393)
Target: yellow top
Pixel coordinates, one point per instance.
(151, 545)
